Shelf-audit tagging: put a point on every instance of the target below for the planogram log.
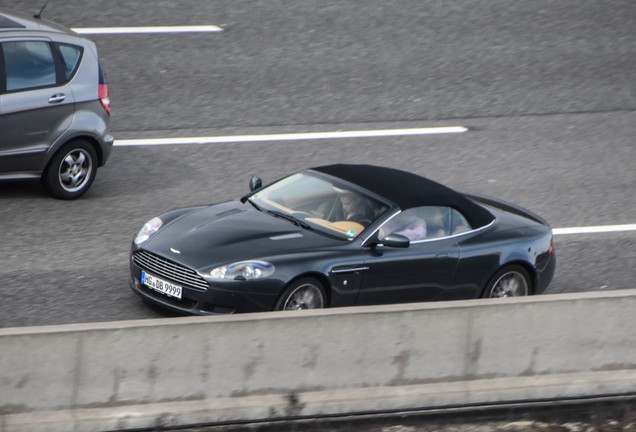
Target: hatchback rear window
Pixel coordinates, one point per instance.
(28, 64)
(71, 55)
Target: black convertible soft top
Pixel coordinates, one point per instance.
(408, 190)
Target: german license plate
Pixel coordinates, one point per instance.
(163, 286)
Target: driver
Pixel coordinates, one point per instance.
(355, 208)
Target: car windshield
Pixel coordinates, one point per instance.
(320, 204)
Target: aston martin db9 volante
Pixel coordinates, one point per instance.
(340, 235)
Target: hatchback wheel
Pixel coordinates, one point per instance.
(510, 281)
(71, 171)
(306, 293)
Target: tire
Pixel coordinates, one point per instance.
(71, 171)
(305, 293)
(510, 281)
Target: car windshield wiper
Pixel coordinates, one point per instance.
(290, 218)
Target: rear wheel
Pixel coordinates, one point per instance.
(510, 281)
(305, 293)
(71, 171)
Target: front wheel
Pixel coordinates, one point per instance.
(71, 171)
(510, 281)
(305, 293)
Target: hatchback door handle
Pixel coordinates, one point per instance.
(57, 98)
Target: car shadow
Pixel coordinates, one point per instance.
(10, 189)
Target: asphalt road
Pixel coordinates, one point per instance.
(547, 90)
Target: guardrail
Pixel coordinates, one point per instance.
(181, 371)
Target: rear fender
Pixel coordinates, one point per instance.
(520, 262)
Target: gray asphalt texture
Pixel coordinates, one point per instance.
(547, 89)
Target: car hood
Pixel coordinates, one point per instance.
(230, 232)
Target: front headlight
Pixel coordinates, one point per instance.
(244, 270)
(151, 227)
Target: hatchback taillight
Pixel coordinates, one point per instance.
(102, 90)
(102, 94)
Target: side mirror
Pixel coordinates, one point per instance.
(396, 241)
(255, 183)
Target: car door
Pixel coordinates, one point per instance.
(35, 109)
(419, 272)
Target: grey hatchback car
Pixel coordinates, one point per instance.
(54, 106)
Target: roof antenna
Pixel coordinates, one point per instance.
(39, 14)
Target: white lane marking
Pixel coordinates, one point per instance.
(290, 136)
(153, 29)
(594, 229)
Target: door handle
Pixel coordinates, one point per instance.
(340, 270)
(57, 98)
(442, 255)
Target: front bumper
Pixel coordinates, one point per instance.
(224, 298)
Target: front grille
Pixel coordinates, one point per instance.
(163, 268)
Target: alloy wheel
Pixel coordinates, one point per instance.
(306, 296)
(510, 284)
(75, 170)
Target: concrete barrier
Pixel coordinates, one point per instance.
(180, 371)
